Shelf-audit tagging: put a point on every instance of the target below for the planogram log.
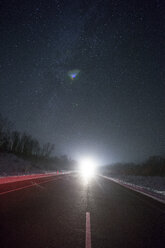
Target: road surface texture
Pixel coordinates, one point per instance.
(53, 214)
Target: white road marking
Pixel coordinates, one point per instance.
(134, 189)
(88, 231)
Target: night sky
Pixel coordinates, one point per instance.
(87, 75)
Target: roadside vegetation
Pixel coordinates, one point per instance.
(41, 157)
(153, 166)
(29, 148)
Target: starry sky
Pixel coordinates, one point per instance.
(86, 75)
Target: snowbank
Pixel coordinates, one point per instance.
(10, 164)
(153, 186)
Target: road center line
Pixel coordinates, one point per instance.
(88, 231)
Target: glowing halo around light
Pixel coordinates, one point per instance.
(87, 167)
(73, 74)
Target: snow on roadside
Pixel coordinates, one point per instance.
(13, 168)
(151, 185)
(10, 165)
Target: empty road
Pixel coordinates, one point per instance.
(67, 212)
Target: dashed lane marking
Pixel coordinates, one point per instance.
(88, 231)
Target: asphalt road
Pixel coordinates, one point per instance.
(53, 214)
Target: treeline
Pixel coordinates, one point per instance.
(27, 147)
(153, 166)
(21, 143)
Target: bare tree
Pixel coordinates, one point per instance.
(47, 149)
(5, 134)
(15, 142)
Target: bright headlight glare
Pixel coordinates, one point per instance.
(87, 167)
